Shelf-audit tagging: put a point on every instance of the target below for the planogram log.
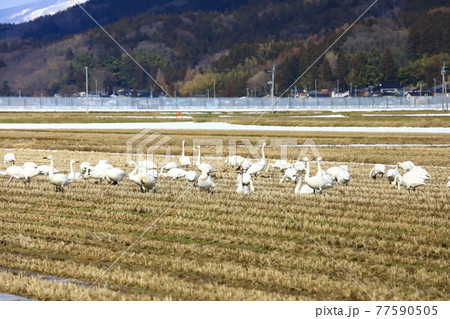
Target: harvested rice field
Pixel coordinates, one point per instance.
(97, 241)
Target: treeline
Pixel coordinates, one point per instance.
(228, 46)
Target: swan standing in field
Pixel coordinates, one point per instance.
(20, 173)
(282, 165)
(13, 172)
(205, 182)
(378, 169)
(174, 173)
(406, 166)
(318, 182)
(391, 174)
(410, 181)
(140, 177)
(290, 174)
(203, 166)
(59, 180)
(9, 158)
(448, 184)
(234, 160)
(302, 189)
(257, 168)
(185, 161)
(241, 188)
(324, 174)
(115, 175)
(74, 175)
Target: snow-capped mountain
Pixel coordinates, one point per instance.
(35, 9)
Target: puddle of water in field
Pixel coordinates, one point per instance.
(45, 277)
(9, 297)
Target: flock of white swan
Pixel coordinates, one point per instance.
(145, 173)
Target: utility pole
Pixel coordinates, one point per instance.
(315, 88)
(87, 90)
(272, 84)
(444, 88)
(434, 89)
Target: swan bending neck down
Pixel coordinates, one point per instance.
(59, 180)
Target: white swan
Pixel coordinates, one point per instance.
(185, 161)
(59, 180)
(302, 189)
(406, 166)
(134, 176)
(241, 188)
(96, 172)
(339, 174)
(147, 165)
(378, 169)
(85, 166)
(9, 158)
(418, 170)
(191, 176)
(290, 174)
(169, 166)
(203, 166)
(205, 182)
(300, 166)
(234, 160)
(391, 174)
(45, 169)
(324, 174)
(280, 164)
(13, 172)
(448, 184)
(115, 175)
(317, 183)
(256, 168)
(175, 173)
(20, 173)
(410, 181)
(29, 165)
(74, 175)
(246, 164)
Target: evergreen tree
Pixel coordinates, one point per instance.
(5, 89)
(387, 66)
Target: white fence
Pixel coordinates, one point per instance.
(51, 104)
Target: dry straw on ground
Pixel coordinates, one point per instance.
(225, 246)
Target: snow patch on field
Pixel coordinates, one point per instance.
(217, 126)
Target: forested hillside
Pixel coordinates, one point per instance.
(189, 45)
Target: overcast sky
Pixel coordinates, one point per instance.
(12, 3)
